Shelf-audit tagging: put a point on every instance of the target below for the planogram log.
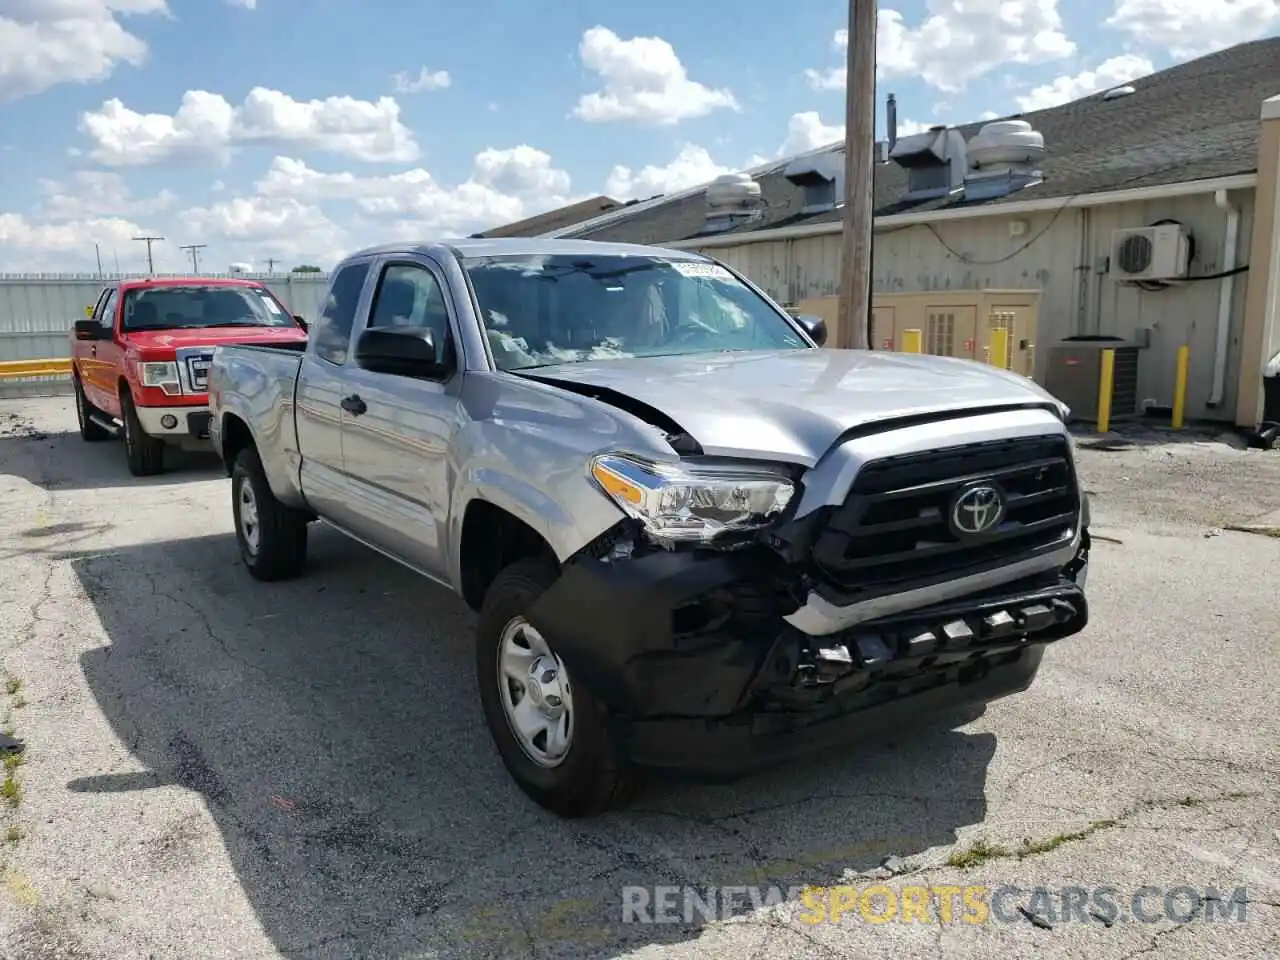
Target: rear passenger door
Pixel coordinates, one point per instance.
(396, 449)
(321, 387)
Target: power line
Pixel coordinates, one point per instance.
(151, 265)
(194, 249)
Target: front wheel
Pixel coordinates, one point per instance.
(144, 452)
(272, 537)
(550, 733)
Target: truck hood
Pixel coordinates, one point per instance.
(177, 339)
(792, 405)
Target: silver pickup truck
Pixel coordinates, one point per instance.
(696, 542)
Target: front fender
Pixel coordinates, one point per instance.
(527, 448)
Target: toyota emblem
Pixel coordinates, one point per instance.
(977, 509)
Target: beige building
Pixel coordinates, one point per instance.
(1146, 213)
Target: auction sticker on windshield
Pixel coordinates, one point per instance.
(713, 271)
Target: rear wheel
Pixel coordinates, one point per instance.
(144, 452)
(272, 537)
(549, 731)
(89, 430)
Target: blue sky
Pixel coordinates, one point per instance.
(332, 152)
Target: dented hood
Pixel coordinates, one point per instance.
(792, 405)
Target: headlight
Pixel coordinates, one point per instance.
(679, 502)
(163, 374)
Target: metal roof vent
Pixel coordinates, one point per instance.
(1004, 157)
(821, 176)
(1115, 93)
(732, 198)
(935, 161)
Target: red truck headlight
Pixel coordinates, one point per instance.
(162, 374)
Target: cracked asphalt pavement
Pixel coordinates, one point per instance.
(218, 768)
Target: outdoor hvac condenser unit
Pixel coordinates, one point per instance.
(1074, 374)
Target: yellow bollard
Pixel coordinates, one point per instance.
(913, 341)
(1180, 386)
(1000, 348)
(1105, 384)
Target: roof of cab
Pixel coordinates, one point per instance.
(473, 247)
(189, 282)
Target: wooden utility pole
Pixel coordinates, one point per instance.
(151, 264)
(859, 167)
(194, 249)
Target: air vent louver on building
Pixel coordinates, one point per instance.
(935, 161)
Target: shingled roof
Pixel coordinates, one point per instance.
(555, 219)
(1195, 121)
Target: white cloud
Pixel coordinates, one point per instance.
(40, 245)
(91, 194)
(243, 4)
(504, 186)
(692, 166)
(1188, 28)
(425, 80)
(806, 131)
(44, 43)
(207, 127)
(642, 80)
(959, 41)
(259, 227)
(1109, 73)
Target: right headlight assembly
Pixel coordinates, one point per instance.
(680, 502)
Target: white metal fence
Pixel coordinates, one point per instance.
(37, 311)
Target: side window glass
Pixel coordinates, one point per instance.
(410, 296)
(332, 331)
(107, 318)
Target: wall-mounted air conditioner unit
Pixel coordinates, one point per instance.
(1150, 253)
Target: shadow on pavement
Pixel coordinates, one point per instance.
(332, 728)
(76, 465)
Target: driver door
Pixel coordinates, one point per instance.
(395, 450)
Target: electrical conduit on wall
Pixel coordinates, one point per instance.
(1226, 292)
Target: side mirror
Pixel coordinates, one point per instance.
(401, 352)
(815, 327)
(300, 321)
(89, 330)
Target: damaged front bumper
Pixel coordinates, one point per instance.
(700, 672)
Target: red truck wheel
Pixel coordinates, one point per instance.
(144, 452)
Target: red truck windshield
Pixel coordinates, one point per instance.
(190, 306)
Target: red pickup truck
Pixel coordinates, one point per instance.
(140, 359)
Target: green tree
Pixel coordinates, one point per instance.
(307, 268)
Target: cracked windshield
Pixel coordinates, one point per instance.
(544, 310)
(512, 480)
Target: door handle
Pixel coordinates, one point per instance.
(354, 405)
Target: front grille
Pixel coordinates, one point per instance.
(893, 530)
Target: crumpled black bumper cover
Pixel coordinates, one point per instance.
(700, 673)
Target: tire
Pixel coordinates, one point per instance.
(89, 431)
(591, 776)
(144, 452)
(272, 537)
